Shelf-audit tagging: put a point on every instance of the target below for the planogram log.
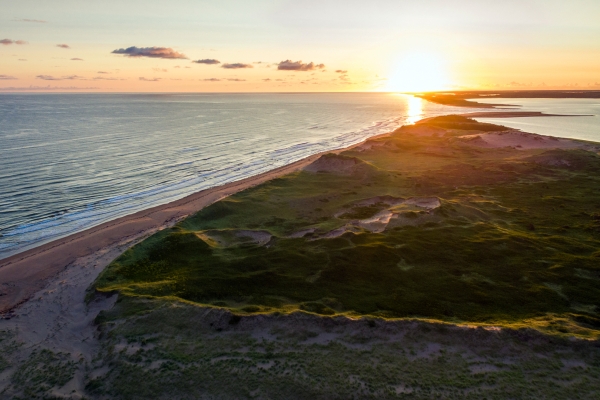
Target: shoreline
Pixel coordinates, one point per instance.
(26, 273)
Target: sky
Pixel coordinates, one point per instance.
(299, 45)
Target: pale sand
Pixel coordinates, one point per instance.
(26, 273)
(523, 141)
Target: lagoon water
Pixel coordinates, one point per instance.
(72, 161)
(586, 128)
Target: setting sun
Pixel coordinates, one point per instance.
(418, 72)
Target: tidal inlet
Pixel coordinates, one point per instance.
(299, 200)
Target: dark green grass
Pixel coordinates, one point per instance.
(516, 238)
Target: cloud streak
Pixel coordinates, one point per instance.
(63, 46)
(105, 78)
(37, 21)
(76, 59)
(33, 88)
(8, 42)
(53, 78)
(209, 61)
(289, 65)
(150, 52)
(236, 66)
(7, 78)
(149, 79)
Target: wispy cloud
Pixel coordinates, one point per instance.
(7, 42)
(160, 70)
(151, 52)
(62, 78)
(63, 46)
(236, 66)
(37, 21)
(210, 61)
(267, 80)
(107, 78)
(236, 80)
(289, 65)
(48, 78)
(211, 80)
(341, 71)
(103, 72)
(33, 88)
(7, 78)
(76, 59)
(149, 79)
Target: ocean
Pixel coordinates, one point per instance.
(69, 162)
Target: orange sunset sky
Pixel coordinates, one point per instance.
(301, 45)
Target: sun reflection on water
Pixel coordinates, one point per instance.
(415, 109)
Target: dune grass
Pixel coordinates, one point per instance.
(516, 238)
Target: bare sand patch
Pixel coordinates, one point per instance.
(520, 140)
(301, 233)
(379, 222)
(429, 203)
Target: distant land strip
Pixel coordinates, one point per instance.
(516, 114)
(466, 98)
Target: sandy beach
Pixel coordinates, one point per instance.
(24, 274)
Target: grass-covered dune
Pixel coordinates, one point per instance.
(448, 219)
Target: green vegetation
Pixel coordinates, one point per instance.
(514, 240)
(184, 351)
(385, 272)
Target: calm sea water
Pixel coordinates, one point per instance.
(70, 161)
(586, 128)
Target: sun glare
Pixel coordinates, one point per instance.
(415, 109)
(418, 72)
